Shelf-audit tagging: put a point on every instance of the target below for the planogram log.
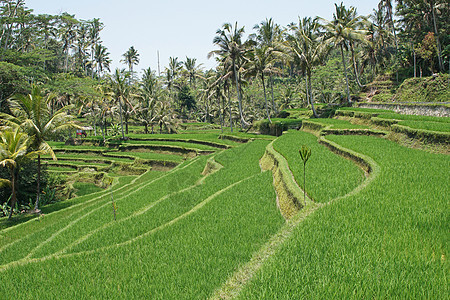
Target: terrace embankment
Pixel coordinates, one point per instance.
(290, 195)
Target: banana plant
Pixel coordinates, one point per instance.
(305, 153)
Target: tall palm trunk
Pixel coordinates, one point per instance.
(13, 194)
(95, 121)
(229, 108)
(273, 99)
(436, 33)
(38, 188)
(345, 73)
(265, 97)
(121, 119)
(307, 90)
(220, 113)
(103, 129)
(415, 63)
(355, 68)
(243, 123)
(311, 101)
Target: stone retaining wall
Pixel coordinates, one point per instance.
(413, 109)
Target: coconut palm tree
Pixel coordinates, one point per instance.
(192, 69)
(130, 58)
(120, 91)
(68, 34)
(261, 63)
(268, 34)
(148, 97)
(165, 117)
(307, 48)
(95, 26)
(231, 53)
(14, 149)
(32, 114)
(344, 29)
(101, 58)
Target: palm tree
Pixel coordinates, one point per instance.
(269, 34)
(68, 34)
(192, 69)
(307, 48)
(261, 63)
(101, 57)
(147, 110)
(342, 31)
(13, 151)
(95, 26)
(103, 106)
(165, 117)
(32, 114)
(131, 58)
(120, 91)
(386, 5)
(231, 52)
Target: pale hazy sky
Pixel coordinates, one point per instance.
(181, 28)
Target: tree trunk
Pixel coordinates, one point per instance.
(265, 98)
(414, 55)
(103, 130)
(121, 119)
(95, 125)
(355, 69)
(345, 73)
(13, 194)
(307, 90)
(229, 108)
(311, 96)
(437, 36)
(273, 99)
(220, 114)
(243, 123)
(38, 189)
(145, 128)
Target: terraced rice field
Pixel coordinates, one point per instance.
(211, 228)
(390, 240)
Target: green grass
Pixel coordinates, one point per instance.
(388, 241)
(170, 143)
(368, 110)
(83, 156)
(196, 135)
(61, 145)
(76, 163)
(180, 238)
(427, 125)
(396, 116)
(320, 186)
(147, 155)
(338, 124)
(85, 188)
(60, 168)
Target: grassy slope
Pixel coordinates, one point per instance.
(328, 175)
(338, 124)
(388, 241)
(183, 247)
(427, 125)
(396, 116)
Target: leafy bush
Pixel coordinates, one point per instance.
(426, 89)
(26, 182)
(277, 126)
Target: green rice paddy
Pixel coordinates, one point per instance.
(185, 233)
